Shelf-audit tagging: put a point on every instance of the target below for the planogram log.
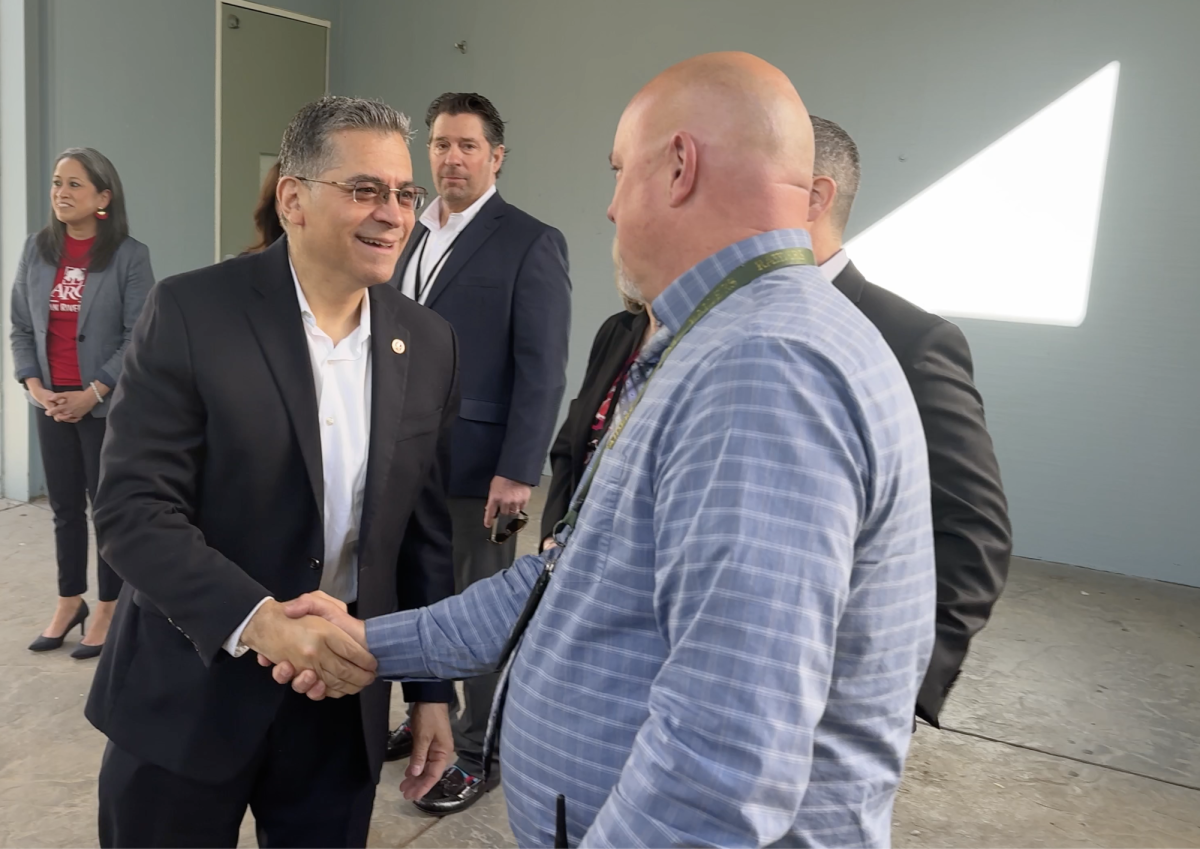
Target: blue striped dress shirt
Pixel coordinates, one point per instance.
(729, 651)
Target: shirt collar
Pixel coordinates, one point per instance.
(432, 217)
(678, 300)
(361, 334)
(835, 265)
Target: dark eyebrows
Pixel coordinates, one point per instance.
(459, 139)
(373, 178)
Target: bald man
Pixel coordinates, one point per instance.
(740, 606)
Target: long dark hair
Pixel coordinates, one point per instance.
(110, 232)
(266, 218)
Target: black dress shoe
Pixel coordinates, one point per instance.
(399, 744)
(52, 643)
(83, 652)
(456, 791)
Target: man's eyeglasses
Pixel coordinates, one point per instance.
(371, 191)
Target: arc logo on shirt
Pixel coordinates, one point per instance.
(66, 296)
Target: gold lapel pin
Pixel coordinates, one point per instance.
(398, 346)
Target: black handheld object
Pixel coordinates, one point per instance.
(560, 822)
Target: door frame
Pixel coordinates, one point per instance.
(220, 24)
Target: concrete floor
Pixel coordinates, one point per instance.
(1076, 723)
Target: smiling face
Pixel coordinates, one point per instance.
(355, 242)
(464, 165)
(74, 197)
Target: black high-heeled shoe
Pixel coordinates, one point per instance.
(86, 652)
(52, 643)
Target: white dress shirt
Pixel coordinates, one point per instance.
(342, 376)
(435, 246)
(835, 265)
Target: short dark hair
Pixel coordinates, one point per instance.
(469, 103)
(835, 155)
(306, 149)
(110, 231)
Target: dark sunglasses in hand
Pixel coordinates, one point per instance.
(502, 531)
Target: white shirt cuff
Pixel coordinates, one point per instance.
(231, 645)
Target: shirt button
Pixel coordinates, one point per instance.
(329, 420)
(81, 337)
(314, 563)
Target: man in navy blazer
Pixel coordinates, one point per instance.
(499, 276)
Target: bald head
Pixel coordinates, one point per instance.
(713, 150)
(735, 102)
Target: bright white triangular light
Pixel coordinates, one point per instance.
(1010, 234)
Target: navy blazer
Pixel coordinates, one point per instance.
(506, 292)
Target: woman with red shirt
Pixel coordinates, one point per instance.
(80, 287)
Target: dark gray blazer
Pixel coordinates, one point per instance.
(112, 302)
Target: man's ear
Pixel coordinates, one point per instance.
(821, 198)
(683, 162)
(290, 195)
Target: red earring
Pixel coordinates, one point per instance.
(102, 213)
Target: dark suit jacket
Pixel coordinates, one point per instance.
(505, 290)
(211, 498)
(972, 534)
(617, 338)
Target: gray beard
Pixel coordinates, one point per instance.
(627, 287)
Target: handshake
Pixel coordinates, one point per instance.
(313, 643)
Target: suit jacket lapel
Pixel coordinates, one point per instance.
(477, 232)
(275, 318)
(43, 283)
(851, 283)
(410, 247)
(91, 287)
(389, 379)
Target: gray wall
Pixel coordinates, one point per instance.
(135, 79)
(1096, 426)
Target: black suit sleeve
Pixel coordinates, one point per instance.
(541, 326)
(972, 534)
(425, 569)
(144, 510)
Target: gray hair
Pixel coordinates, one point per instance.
(835, 155)
(306, 150)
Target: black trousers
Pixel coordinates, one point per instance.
(71, 458)
(475, 557)
(309, 785)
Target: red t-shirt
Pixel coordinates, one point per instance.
(65, 298)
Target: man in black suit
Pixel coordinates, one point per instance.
(281, 426)
(972, 534)
(499, 276)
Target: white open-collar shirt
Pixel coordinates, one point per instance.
(342, 379)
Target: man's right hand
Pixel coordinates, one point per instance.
(334, 612)
(320, 650)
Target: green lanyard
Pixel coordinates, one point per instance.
(743, 275)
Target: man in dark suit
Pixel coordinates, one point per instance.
(281, 426)
(499, 276)
(972, 534)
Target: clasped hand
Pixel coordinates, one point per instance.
(433, 743)
(322, 644)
